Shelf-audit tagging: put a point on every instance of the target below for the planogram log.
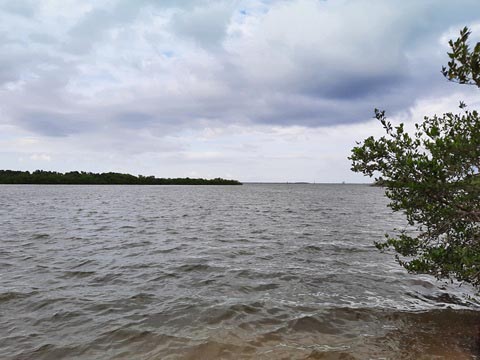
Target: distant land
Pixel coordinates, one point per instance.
(110, 178)
(470, 180)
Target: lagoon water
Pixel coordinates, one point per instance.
(216, 272)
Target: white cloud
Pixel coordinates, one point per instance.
(40, 157)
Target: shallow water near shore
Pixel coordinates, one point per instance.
(206, 272)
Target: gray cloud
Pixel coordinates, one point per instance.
(24, 8)
(205, 24)
(53, 124)
(134, 120)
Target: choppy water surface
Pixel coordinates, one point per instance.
(199, 272)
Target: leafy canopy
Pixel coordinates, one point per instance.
(433, 177)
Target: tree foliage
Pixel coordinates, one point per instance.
(433, 177)
(464, 65)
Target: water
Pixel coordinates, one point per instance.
(199, 272)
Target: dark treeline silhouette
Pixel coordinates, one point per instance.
(110, 178)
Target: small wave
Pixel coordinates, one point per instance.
(441, 298)
(83, 263)
(169, 250)
(136, 244)
(312, 248)
(196, 267)
(265, 287)
(331, 353)
(77, 274)
(40, 236)
(217, 315)
(258, 231)
(110, 278)
(311, 324)
(102, 228)
(28, 244)
(60, 316)
(165, 275)
(14, 295)
(46, 302)
(142, 297)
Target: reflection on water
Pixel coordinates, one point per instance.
(257, 271)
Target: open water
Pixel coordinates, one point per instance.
(216, 272)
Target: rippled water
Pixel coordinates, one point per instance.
(207, 272)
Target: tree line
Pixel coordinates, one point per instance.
(109, 178)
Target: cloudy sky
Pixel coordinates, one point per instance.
(267, 90)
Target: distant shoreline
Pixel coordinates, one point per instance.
(40, 177)
(300, 183)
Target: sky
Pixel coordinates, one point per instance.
(267, 90)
